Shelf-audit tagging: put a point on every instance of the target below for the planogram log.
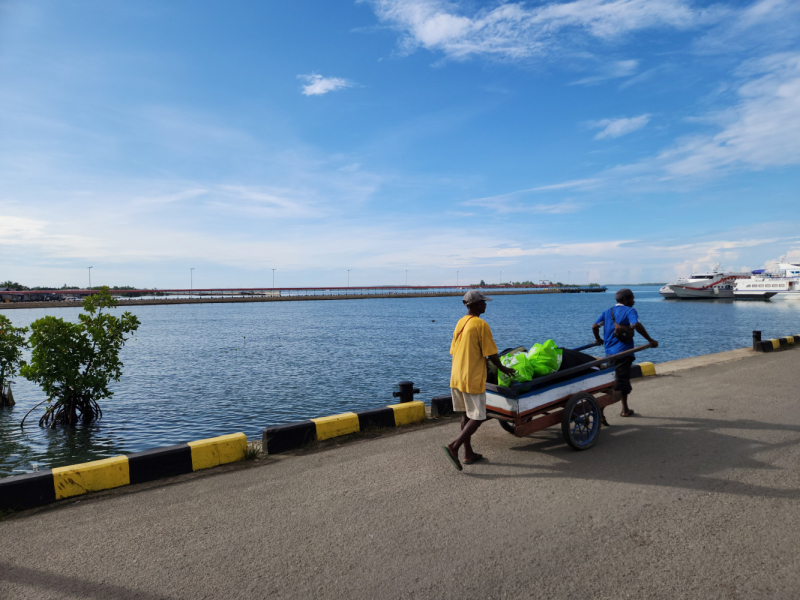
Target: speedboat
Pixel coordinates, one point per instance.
(716, 283)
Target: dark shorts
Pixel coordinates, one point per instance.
(623, 374)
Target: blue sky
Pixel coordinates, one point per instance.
(602, 140)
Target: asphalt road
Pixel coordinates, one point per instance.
(695, 498)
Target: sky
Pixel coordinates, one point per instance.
(608, 141)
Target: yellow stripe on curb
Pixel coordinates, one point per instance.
(91, 476)
(776, 344)
(218, 450)
(408, 412)
(648, 369)
(336, 425)
(790, 339)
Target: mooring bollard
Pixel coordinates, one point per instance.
(756, 340)
(407, 391)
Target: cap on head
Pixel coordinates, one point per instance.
(473, 296)
(623, 295)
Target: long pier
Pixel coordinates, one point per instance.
(67, 298)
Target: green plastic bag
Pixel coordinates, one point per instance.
(540, 360)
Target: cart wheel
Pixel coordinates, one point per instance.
(581, 422)
(509, 427)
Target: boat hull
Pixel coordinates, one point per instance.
(667, 293)
(686, 292)
(753, 295)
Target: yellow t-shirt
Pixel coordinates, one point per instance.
(474, 343)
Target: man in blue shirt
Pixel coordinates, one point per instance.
(623, 314)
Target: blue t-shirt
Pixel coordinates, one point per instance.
(625, 315)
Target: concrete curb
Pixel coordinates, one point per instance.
(644, 369)
(20, 492)
(281, 438)
(776, 344)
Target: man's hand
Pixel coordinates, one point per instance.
(507, 370)
(653, 343)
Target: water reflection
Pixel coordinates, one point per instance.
(21, 447)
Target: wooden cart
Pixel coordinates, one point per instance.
(573, 398)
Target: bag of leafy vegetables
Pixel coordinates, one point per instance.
(542, 359)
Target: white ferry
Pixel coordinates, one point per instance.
(716, 283)
(783, 282)
(790, 271)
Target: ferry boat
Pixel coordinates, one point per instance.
(792, 272)
(783, 282)
(716, 283)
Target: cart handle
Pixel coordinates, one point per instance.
(587, 346)
(584, 366)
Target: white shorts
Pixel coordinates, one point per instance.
(473, 404)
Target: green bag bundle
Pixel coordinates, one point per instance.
(540, 360)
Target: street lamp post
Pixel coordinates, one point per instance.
(191, 278)
(348, 277)
(457, 278)
(501, 278)
(90, 277)
(406, 277)
(273, 279)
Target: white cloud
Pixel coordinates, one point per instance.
(761, 130)
(614, 128)
(610, 70)
(504, 205)
(510, 203)
(512, 30)
(316, 85)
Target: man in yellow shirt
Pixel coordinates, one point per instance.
(472, 341)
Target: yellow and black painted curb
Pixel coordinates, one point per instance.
(281, 438)
(643, 369)
(36, 489)
(776, 344)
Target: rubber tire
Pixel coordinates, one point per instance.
(509, 427)
(565, 421)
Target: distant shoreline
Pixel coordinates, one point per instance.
(156, 301)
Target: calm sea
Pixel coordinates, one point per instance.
(194, 371)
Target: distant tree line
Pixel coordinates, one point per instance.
(18, 287)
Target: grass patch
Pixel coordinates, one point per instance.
(253, 450)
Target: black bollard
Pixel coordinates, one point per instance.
(756, 340)
(407, 391)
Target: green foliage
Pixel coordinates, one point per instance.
(12, 342)
(74, 363)
(13, 285)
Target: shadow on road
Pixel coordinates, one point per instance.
(684, 453)
(63, 585)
